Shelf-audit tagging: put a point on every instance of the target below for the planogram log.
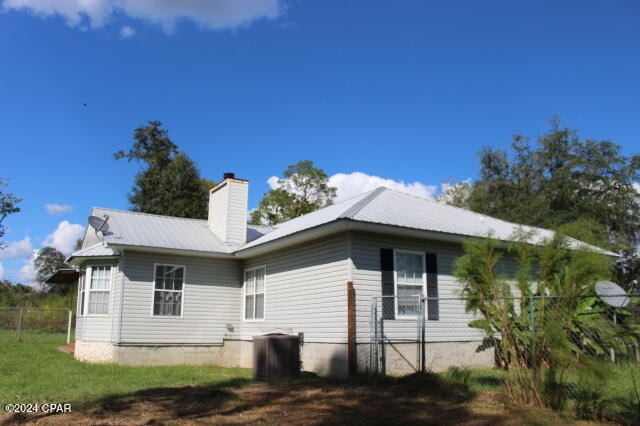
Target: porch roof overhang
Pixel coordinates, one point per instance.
(63, 276)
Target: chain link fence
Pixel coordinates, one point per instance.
(397, 335)
(23, 324)
(405, 340)
(573, 353)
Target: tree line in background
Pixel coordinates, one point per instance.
(8, 205)
(582, 186)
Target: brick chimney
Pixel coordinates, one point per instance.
(228, 209)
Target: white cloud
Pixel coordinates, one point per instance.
(273, 182)
(211, 14)
(57, 209)
(1, 272)
(64, 237)
(73, 11)
(352, 184)
(17, 249)
(127, 32)
(27, 274)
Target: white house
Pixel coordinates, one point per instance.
(163, 290)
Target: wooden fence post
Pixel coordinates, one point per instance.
(352, 351)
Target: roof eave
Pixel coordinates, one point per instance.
(345, 224)
(172, 251)
(78, 260)
(63, 276)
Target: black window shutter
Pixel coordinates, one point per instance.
(386, 270)
(433, 308)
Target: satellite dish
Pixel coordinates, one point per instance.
(612, 294)
(99, 224)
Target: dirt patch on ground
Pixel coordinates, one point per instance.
(306, 402)
(69, 348)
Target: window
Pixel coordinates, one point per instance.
(99, 289)
(81, 293)
(254, 286)
(167, 294)
(410, 281)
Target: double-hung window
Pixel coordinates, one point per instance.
(168, 287)
(254, 288)
(99, 289)
(410, 279)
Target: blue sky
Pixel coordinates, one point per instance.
(401, 93)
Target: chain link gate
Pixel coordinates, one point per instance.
(397, 330)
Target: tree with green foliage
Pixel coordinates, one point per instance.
(555, 320)
(170, 184)
(561, 180)
(15, 294)
(8, 205)
(47, 262)
(303, 190)
(456, 194)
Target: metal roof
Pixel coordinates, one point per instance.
(134, 229)
(98, 250)
(381, 206)
(384, 206)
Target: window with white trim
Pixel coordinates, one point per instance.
(410, 279)
(82, 292)
(254, 288)
(168, 287)
(99, 289)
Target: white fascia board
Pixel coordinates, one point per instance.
(79, 260)
(172, 251)
(343, 225)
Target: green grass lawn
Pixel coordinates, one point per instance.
(34, 371)
(37, 372)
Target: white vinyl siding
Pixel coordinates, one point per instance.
(254, 291)
(453, 322)
(212, 298)
(168, 290)
(100, 309)
(306, 291)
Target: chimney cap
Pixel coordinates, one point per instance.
(228, 175)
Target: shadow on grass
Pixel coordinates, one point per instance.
(309, 400)
(416, 399)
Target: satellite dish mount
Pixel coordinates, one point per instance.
(99, 224)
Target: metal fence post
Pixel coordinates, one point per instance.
(69, 327)
(383, 359)
(422, 340)
(20, 325)
(533, 328)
